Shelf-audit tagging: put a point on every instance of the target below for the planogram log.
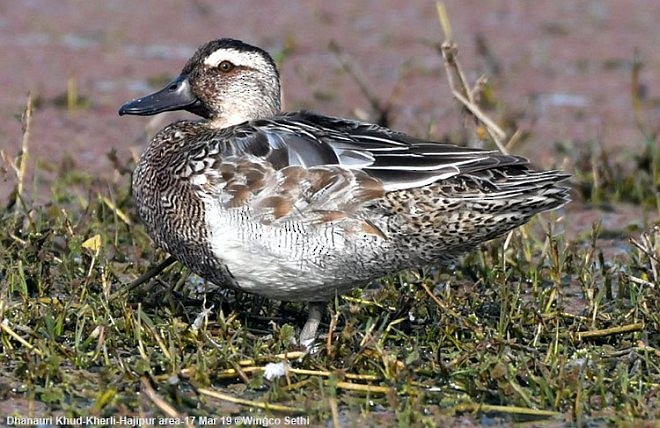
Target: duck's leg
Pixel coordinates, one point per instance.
(308, 333)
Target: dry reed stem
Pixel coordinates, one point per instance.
(257, 404)
(460, 88)
(610, 331)
(482, 408)
(164, 406)
(334, 318)
(324, 373)
(5, 327)
(26, 121)
(116, 210)
(364, 388)
(334, 411)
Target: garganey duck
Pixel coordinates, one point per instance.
(299, 206)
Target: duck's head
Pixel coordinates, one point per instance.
(226, 81)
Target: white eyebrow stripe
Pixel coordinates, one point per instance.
(232, 55)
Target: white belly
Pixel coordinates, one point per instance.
(286, 261)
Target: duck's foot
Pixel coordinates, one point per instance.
(308, 333)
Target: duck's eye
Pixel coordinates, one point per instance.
(226, 66)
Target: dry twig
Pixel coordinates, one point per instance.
(164, 406)
(461, 89)
(257, 404)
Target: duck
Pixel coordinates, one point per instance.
(302, 207)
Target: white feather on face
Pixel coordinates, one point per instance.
(238, 58)
(251, 93)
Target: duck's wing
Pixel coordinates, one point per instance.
(305, 166)
(397, 160)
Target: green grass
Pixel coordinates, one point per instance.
(535, 327)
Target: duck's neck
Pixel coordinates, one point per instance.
(231, 119)
(240, 112)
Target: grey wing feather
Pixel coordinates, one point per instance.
(397, 160)
(322, 169)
